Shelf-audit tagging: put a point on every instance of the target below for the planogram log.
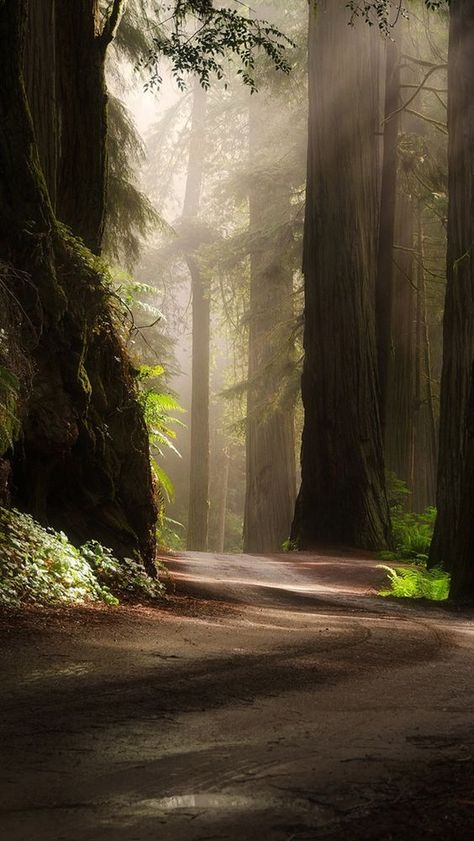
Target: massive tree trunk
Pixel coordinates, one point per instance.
(270, 440)
(342, 497)
(453, 543)
(198, 513)
(81, 458)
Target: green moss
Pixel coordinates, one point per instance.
(9, 419)
(83, 379)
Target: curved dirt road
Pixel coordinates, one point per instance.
(280, 699)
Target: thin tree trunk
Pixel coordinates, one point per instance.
(399, 428)
(385, 266)
(270, 439)
(198, 513)
(342, 497)
(424, 431)
(453, 542)
(218, 511)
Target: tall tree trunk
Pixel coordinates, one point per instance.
(219, 494)
(399, 416)
(423, 472)
(81, 46)
(82, 459)
(453, 542)
(342, 497)
(385, 266)
(65, 79)
(40, 81)
(198, 513)
(270, 440)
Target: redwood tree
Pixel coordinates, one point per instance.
(453, 543)
(342, 497)
(80, 461)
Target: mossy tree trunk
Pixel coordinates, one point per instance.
(342, 498)
(81, 461)
(453, 542)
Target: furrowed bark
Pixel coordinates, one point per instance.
(342, 497)
(453, 541)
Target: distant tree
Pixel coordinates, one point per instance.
(198, 512)
(270, 433)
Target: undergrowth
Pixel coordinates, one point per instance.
(412, 535)
(40, 566)
(417, 582)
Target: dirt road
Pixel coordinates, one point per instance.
(276, 698)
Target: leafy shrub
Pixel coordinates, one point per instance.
(414, 582)
(124, 578)
(40, 566)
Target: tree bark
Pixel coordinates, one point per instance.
(41, 88)
(198, 512)
(342, 497)
(82, 97)
(399, 416)
(270, 439)
(424, 444)
(453, 542)
(385, 268)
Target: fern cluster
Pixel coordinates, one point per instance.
(416, 582)
(412, 535)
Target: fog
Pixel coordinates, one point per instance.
(246, 158)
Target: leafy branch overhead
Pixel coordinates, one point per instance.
(198, 38)
(386, 13)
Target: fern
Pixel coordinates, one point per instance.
(159, 409)
(414, 582)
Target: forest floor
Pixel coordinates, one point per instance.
(269, 698)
